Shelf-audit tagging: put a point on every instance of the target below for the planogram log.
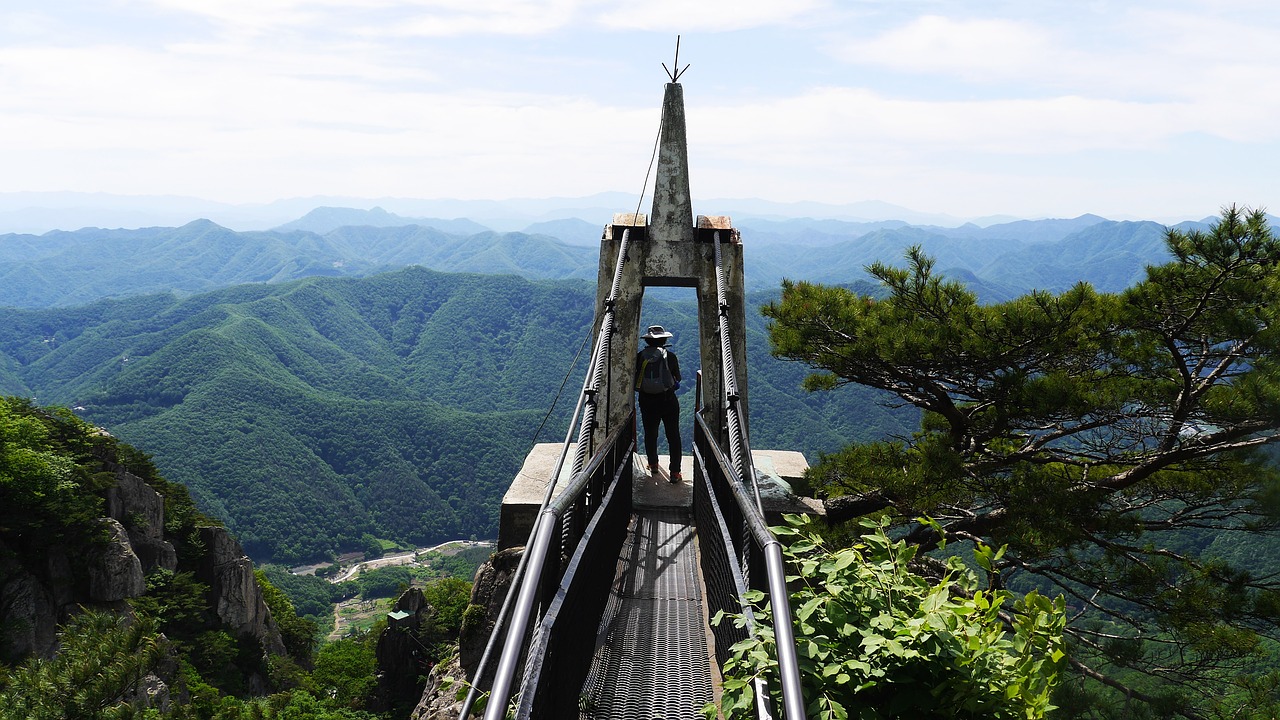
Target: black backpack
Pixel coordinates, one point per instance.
(655, 374)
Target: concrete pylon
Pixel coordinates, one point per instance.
(672, 217)
(673, 251)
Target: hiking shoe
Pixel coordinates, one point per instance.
(676, 476)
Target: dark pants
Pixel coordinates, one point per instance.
(661, 408)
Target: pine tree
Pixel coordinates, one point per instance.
(1113, 443)
(95, 674)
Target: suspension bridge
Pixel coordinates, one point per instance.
(608, 612)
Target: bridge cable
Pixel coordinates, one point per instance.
(739, 447)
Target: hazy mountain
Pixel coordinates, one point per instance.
(39, 212)
(327, 219)
(570, 230)
(68, 268)
(809, 231)
(1110, 255)
(1029, 231)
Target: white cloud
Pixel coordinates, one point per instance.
(705, 15)
(984, 49)
(232, 130)
(817, 121)
(482, 17)
(385, 17)
(300, 97)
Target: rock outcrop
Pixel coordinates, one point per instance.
(488, 592)
(439, 697)
(138, 507)
(28, 612)
(115, 573)
(235, 595)
(37, 592)
(400, 656)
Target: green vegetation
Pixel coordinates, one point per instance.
(53, 472)
(384, 582)
(1109, 441)
(100, 664)
(309, 414)
(877, 640)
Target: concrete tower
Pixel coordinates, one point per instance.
(673, 251)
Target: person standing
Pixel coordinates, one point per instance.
(657, 379)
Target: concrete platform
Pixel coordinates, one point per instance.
(524, 496)
(776, 470)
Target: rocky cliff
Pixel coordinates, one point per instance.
(42, 585)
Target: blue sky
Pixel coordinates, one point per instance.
(1162, 110)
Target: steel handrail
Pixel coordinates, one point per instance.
(779, 598)
(584, 418)
(548, 520)
(739, 446)
(753, 512)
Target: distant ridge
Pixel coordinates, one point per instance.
(573, 231)
(40, 212)
(1000, 261)
(327, 219)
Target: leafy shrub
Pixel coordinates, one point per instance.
(877, 640)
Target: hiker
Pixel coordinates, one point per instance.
(657, 379)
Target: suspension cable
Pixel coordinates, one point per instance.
(739, 447)
(600, 361)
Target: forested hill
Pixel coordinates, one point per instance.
(305, 414)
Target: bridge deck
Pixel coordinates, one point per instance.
(651, 657)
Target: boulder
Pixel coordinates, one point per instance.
(153, 692)
(440, 697)
(115, 573)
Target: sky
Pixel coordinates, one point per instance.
(1154, 109)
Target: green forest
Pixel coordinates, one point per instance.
(307, 414)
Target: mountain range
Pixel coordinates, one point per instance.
(39, 212)
(307, 413)
(64, 268)
(357, 371)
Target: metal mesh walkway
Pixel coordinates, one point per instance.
(651, 659)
